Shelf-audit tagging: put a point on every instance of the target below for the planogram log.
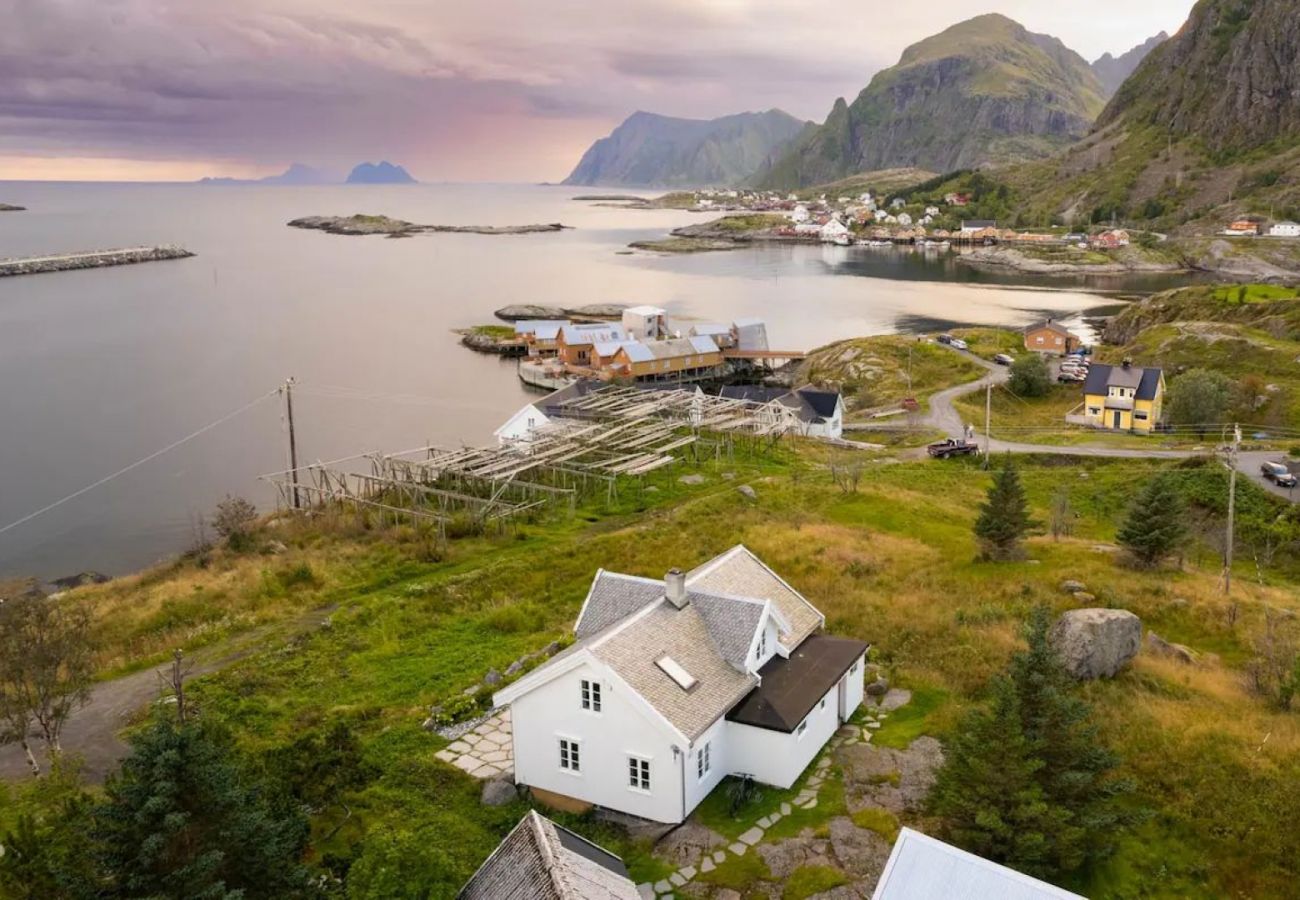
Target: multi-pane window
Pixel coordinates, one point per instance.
(762, 642)
(569, 758)
(803, 726)
(703, 761)
(638, 773)
(591, 695)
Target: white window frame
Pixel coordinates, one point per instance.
(821, 704)
(570, 749)
(638, 773)
(589, 695)
(801, 730)
(704, 760)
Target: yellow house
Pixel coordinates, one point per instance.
(1122, 398)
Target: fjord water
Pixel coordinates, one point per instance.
(99, 368)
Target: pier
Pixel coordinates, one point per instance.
(92, 259)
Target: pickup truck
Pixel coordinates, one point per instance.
(952, 447)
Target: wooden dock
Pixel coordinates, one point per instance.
(91, 259)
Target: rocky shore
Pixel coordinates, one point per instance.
(1004, 258)
(35, 265)
(592, 311)
(398, 228)
(5, 207)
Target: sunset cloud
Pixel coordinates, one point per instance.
(501, 90)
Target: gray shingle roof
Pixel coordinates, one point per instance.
(731, 622)
(923, 868)
(682, 634)
(539, 860)
(613, 597)
(739, 573)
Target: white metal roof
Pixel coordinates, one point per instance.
(925, 868)
(644, 311)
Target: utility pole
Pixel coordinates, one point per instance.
(1232, 507)
(293, 442)
(988, 419)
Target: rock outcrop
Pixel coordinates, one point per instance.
(1096, 643)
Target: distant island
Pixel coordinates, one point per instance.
(397, 228)
(379, 173)
(5, 207)
(303, 174)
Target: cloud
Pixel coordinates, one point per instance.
(503, 89)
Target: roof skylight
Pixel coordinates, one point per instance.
(673, 669)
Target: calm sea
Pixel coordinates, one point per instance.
(101, 368)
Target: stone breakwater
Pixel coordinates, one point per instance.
(398, 228)
(93, 259)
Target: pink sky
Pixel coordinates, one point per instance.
(502, 90)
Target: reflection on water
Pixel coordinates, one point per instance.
(100, 368)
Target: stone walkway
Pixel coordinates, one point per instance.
(486, 752)
(805, 799)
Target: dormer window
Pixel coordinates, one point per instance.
(762, 642)
(591, 695)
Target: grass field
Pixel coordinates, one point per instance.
(893, 563)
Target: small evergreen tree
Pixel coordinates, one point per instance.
(179, 820)
(1030, 376)
(1004, 516)
(1027, 781)
(1155, 525)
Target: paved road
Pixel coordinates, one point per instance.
(943, 416)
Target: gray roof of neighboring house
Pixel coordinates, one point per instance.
(539, 860)
(1146, 380)
(739, 573)
(614, 597)
(924, 868)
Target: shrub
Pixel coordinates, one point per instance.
(233, 520)
(1030, 376)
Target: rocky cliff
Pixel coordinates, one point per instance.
(650, 150)
(1113, 71)
(984, 90)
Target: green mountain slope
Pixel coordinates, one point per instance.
(984, 90)
(650, 150)
(1205, 131)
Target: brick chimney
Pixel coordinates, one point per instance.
(675, 587)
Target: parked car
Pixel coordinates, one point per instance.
(1278, 473)
(1072, 378)
(952, 447)
(1004, 359)
(958, 344)
(944, 339)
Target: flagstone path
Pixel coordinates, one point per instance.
(805, 799)
(485, 752)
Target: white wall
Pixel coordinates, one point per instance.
(542, 716)
(719, 755)
(855, 685)
(777, 758)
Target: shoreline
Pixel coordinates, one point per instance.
(364, 225)
(92, 259)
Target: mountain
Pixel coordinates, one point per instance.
(984, 90)
(650, 150)
(297, 173)
(1204, 132)
(1113, 71)
(379, 173)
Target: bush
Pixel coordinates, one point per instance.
(1030, 376)
(457, 709)
(233, 520)
(1198, 399)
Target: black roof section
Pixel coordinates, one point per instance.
(756, 393)
(576, 843)
(1150, 381)
(822, 402)
(791, 687)
(1099, 378)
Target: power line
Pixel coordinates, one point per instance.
(139, 462)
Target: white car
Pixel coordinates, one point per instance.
(959, 344)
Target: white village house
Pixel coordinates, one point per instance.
(1285, 229)
(672, 685)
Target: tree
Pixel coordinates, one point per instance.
(1030, 376)
(47, 853)
(46, 663)
(233, 521)
(1004, 517)
(1155, 526)
(1198, 399)
(1026, 781)
(180, 819)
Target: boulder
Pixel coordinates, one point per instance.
(1161, 647)
(879, 687)
(515, 668)
(895, 698)
(691, 479)
(747, 492)
(1085, 597)
(687, 844)
(1071, 586)
(498, 792)
(857, 850)
(1096, 643)
(492, 677)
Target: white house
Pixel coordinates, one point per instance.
(808, 411)
(904, 219)
(932, 211)
(645, 323)
(923, 868)
(897, 203)
(539, 859)
(751, 334)
(673, 684)
(800, 214)
(521, 429)
(1285, 229)
(834, 232)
